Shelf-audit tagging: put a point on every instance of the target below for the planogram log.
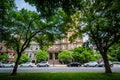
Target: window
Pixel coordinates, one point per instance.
(36, 48)
(1, 48)
(50, 55)
(30, 56)
(72, 45)
(63, 40)
(56, 56)
(31, 48)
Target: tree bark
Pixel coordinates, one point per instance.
(106, 63)
(14, 72)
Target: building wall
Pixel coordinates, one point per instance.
(4, 50)
(53, 50)
(31, 51)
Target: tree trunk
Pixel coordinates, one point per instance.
(106, 63)
(14, 72)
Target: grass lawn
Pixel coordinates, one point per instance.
(61, 76)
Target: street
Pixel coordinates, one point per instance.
(116, 68)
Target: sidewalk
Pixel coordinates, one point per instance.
(58, 65)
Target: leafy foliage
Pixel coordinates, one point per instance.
(6, 7)
(114, 52)
(4, 57)
(101, 19)
(65, 56)
(24, 58)
(48, 7)
(41, 55)
(84, 54)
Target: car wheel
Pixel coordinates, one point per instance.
(96, 65)
(30, 65)
(21, 65)
(78, 66)
(37, 65)
(111, 65)
(87, 65)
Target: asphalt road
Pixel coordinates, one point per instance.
(116, 68)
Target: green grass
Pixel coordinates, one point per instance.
(61, 76)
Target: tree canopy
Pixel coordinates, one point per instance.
(4, 57)
(65, 56)
(99, 18)
(84, 54)
(41, 55)
(24, 58)
(6, 7)
(114, 52)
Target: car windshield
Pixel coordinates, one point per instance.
(43, 62)
(92, 62)
(27, 63)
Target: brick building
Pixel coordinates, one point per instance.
(4, 50)
(53, 50)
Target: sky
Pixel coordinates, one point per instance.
(21, 4)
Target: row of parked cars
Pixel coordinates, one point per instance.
(9, 64)
(27, 64)
(46, 64)
(89, 64)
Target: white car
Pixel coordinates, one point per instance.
(43, 64)
(101, 64)
(27, 64)
(91, 64)
(1, 63)
(9, 64)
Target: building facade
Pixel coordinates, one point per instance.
(10, 53)
(54, 50)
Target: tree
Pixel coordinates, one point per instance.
(26, 25)
(101, 23)
(41, 55)
(102, 26)
(6, 6)
(4, 57)
(65, 56)
(23, 26)
(84, 54)
(24, 58)
(114, 52)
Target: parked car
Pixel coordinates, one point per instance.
(1, 63)
(9, 64)
(43, 64)
(90, 64)
(27, 64)
(74, 64)
(101, 64)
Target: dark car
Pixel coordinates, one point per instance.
(74, 64)
(101, 64)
